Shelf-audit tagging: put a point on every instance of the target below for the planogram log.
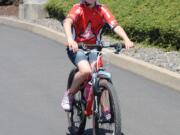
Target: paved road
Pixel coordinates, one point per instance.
(33, 74)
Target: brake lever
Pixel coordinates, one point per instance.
(119, 47)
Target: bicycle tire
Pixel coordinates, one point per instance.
(77, 107)
(114, 109)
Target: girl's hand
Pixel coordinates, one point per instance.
(129, 44)
(73, 45)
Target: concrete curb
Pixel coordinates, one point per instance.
(157, 74)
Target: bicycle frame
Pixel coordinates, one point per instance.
(98, 73)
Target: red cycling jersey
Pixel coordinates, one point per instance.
(88, 22)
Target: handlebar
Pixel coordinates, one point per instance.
(117, 46)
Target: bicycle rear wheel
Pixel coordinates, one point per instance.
(76, 117)
(112, 126)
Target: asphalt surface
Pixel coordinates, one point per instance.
(33, 74)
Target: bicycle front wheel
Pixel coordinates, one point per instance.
(108, 97)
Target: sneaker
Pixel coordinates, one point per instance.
(106, 116)
(67, 101)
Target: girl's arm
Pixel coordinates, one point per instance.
(67, 27)
(120, 31)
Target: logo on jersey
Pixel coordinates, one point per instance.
(88, 34)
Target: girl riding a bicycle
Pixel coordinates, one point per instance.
(84, 24)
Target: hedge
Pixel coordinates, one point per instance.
(154, 21)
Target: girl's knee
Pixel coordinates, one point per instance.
(84, 68)
(86, 72)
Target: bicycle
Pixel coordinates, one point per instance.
(87, 101)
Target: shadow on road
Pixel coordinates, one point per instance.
(102, 132)
(86, 132)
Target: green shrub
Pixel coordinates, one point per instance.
(156, 22)
(58, 8)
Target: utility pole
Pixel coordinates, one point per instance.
(32, 9)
